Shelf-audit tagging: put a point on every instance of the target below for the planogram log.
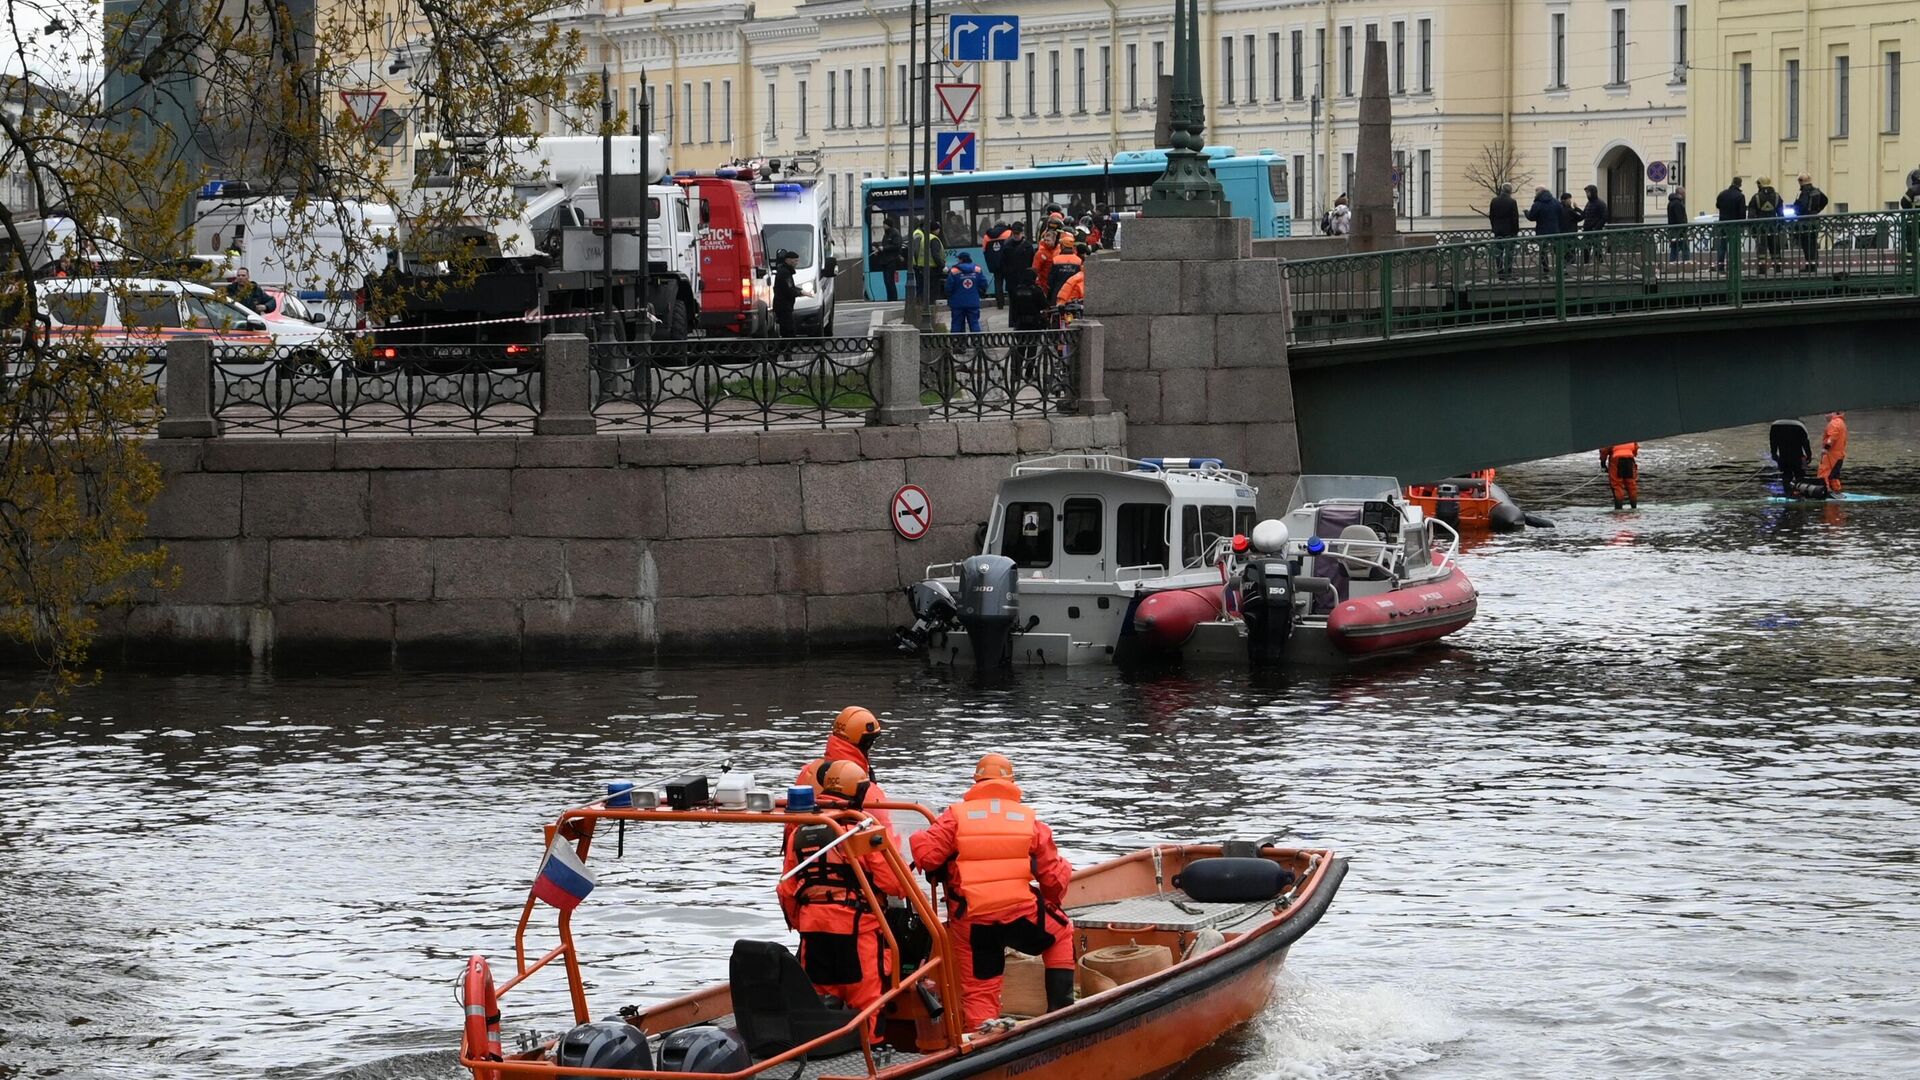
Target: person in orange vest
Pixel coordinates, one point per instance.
(1833, 449)
(1620, 464)
(1066, 263)
(854, 732)
(1043, 260)
(1006, 885)
(840, 936)
(1073, 290)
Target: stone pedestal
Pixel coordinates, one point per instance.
(189, 391)
(566, 387)
(896, 376)
(1194, 350)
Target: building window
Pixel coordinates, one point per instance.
(1557, 51)
(1892, 126)
(1346, 61)
(1032, 86)
(1299, 67)
(773, 110)
(1793, 100)
(726, 111)
(1401, 183)
(1053, 82)
(1346, 173)
(846, 79)
(1426, 183)
(1006, 91)
(1320, 63)
(1679, 43)
(1253, 84)
(706, 111)
(1426, 56)
(1226, 70)
(906, 98)
(1617, 46)
(1559, 170)
(686, 110)
(1842, 97)
(1106, 78)
(1400, 57)
(866, 97)
(1745, 133)
(802, 86)
(1679, 164)
(1159, 68)
(1133, 76)
(1079, 80)
(1273, 67)
(833, 100)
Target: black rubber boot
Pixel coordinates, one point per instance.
(1059, 988)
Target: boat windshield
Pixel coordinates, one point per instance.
(1322, 487)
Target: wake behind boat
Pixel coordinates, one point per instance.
(1230, 942)
(1095, 558)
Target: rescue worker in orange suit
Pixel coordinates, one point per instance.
(1006, 883)
(1066, 263)
(855, 731)
(1043, 260)
(1833, 449)
(1623, 472)
(1073, 290)
(840, 936)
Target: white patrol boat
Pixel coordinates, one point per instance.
(1093, 557)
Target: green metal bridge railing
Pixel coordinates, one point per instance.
(1484, 284)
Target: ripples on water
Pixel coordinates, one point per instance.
(1654, 816)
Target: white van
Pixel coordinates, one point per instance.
(793, 217)
(324, 253)
(150, 312)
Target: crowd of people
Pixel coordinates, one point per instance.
(1031, 276)
(1004, 878)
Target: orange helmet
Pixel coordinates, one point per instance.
(857, 726)
(845, 780)
(993, 767)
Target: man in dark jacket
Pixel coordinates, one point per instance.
(785, 292)
(997, 238)
(1569, 213)
(1732, 205)
(1766, 203)
(1593, 217)
(1810, 202)
(1503, 216)
(1545, 215)
(1677, 225)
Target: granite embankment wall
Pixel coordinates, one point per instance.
(556, 547)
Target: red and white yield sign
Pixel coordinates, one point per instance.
(912, 512)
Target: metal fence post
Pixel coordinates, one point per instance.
(1736, 249)
(896, 376)
(1090, 367)
(1386, 294)
(1559, 251)
(566, 387)
(189, 394)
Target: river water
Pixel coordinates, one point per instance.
(1653, 815)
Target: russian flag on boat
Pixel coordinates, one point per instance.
(564, 880)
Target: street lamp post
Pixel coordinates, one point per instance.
(608, 331)
(1188, 188)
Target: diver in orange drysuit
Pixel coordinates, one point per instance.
(1006, 883)
(1623, 472)
(854, 732)
(1833, 451)
(840, 936)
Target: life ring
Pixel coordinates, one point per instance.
(482, 1004)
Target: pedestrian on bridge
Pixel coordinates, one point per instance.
(1732, 204)
(1545, 215)
(1593, 217)
(1767, 203)
(1503, 216)
(1810, 202)
(1677, 224)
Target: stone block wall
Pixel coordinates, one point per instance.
(554, 547)
(1196, 348)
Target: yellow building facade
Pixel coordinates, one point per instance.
(1814, 87)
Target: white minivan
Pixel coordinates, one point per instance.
(794, 217)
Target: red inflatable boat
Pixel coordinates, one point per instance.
(1405, 617)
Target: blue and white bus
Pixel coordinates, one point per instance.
(1256, 186)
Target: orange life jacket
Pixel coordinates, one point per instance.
(993, 839)
(1074, 288)
(1625, 449)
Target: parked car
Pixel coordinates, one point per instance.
(152, 311)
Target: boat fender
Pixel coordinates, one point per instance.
(605, 1044)
(1537, 522)
(482, 1004)
(1233, 881)
(1505, 517)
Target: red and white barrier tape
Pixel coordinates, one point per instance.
(496, 322)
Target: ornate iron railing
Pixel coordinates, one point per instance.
(1555, 278)
(150, 359)
(1012, 373)
(749, 383)
(349, 387)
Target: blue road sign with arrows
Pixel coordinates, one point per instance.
(955, 151)
(983, 37)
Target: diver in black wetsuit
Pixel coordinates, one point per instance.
(1792, 452)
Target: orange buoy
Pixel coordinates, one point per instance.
(477, 996)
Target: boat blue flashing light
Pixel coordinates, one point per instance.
(1162, 464)
(800, 799)
(619, 794)
(1315, 545)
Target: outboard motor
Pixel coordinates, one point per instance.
(606, 1044)
(1266, 595)
(989, 605)
(933, 610)
(1446, 505)
(704, 1049)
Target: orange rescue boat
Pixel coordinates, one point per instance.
(1473, 503)
(1227, 942)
